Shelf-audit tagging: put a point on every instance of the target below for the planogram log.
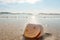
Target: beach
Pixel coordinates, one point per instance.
(12, 26)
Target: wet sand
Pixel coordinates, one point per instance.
(11, 31)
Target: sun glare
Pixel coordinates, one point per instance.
(33, 20)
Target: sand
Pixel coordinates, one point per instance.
(10, 31)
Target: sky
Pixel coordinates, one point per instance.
(30, 6)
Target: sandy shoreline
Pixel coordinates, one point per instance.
(12, 32)
(12, 29)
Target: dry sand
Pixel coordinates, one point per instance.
(11, 31)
